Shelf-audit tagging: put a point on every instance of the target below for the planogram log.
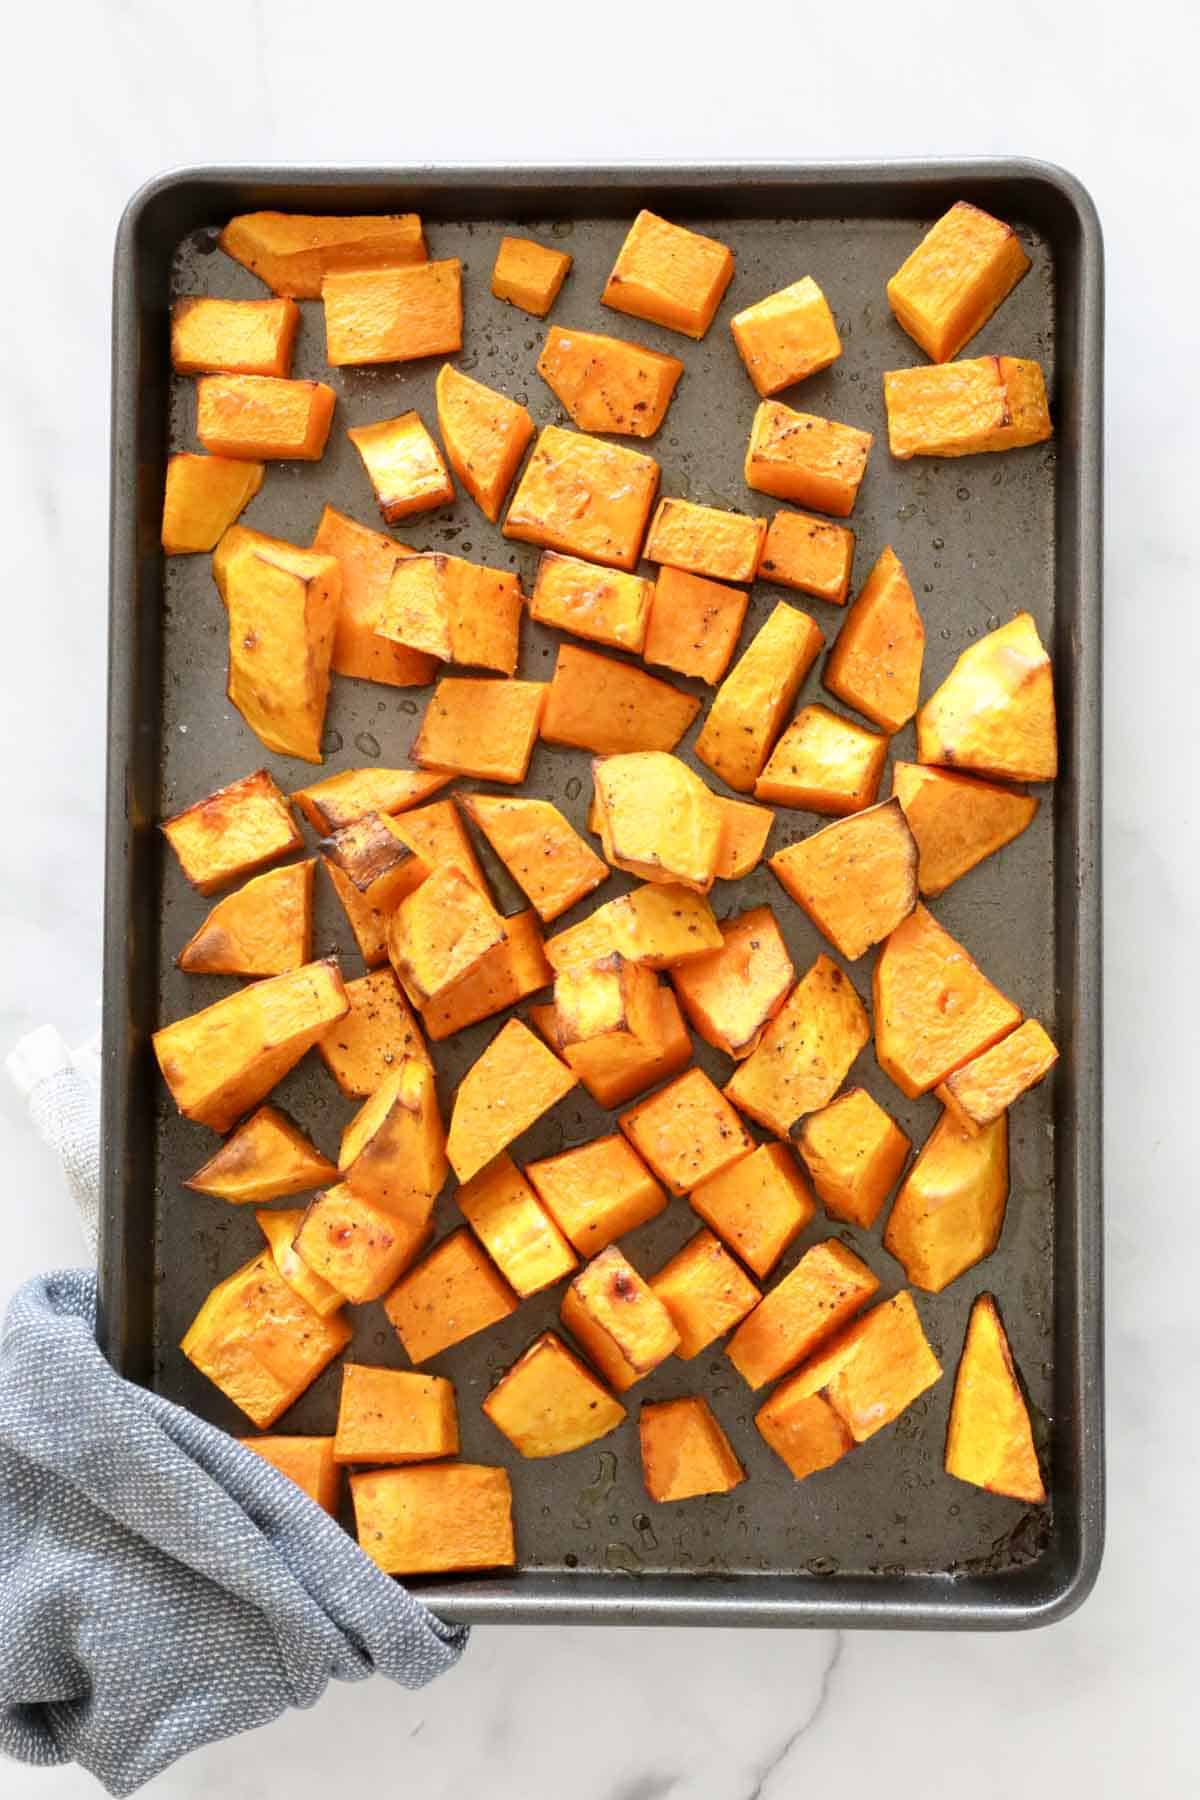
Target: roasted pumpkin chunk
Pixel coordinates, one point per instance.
(856, 879)
(956, 820)
(440, 932)
(732, 994)
(454, 610)
(983, 1089)
(633, 1066)
(694, 624)
(875, 665)
(529, 275)
(282, 605)
(232, 832)
(356, 1247)
(266, 1158)
(393, 1151)
(606, 1013)
(368, 923)
(607, 384)
(805, 1053)
(854, 1152)
(605, 605)
(618, 1320)
(363, 1049)
(514, 1227)
(669, 275)
(393, 315)
(293, 252)
(949, 1213)
(809, 554)
(485, 434)
(381, 867)
(597, 1192)
(745, 829)
(204, 495)
(658, 820)
(934, 1007)
(233, 337)
(265, 928)
(758, 1206)
(658, 926)
(989, 1441)
(394, 1416)
(438, 1519)
(706, 540)
(481, 728)
(308, 1461)
(513, 1082)
(510, 971)
(342, 799)
(596, 703)
(755, 697)
(549, 1402)
(279, 1226)
(687, 1131)
(966, 408)
(263, 417)
(825, 1289)
(787, 336)
(404, 465)
(952, 283)
(449, 1295)
(824, 763)
(541, 850)
(994, 713)
(366, 559)
(805, 459)
(584, 496)
(684, 1451)
(705, 1292)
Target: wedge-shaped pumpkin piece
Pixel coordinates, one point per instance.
(605, 605)
(513, 1082)
(259, 1342)
(825, 1289)
(265, 928)
(266, 1158)
(366, 559)
(368, 1045)
(529, 275)
(394, 1416)
(706, 540)
(341, 799)
(509, 972)
(694, 624)
(994, 713)
(293, 252)
(441, 932)
(514, 1228)
(232, 337)
(619, 1322)
(856, 879)
(983, 1089)
(596, 703)
(550, 1403)
(787, 336)
(264, 418)
(393, 1151)
(379, 865)
(952, 283)
(597, 1192)
(732, 994)
(635, 1066)
(745, 829)
(934, 1007)
(824, 763)
(956, 820)
(205, 494)
(220, 1062)
(543, 853)
(854, 1152)
(949, 1213)
(758, 1206)
(754, 699)
(658, 820)
(875, 665)
(393, 315)
(283, 606)
(684, 1451)
(454, 610)
(966, 408)
(232, 832)
(687, 1131)
(485, 435)
(585, 497)
(805, 1053)
(438, 1519)
(481, 728)
(358, 1248)
(607, 384)
(451, 1294)
(404, 465)
(368, 923)
(279, 1227)
(805, 459)
(808, 554)
(604, 1009)
(438, 836)
(658, 926)
(308, 1461)
(705, 1292)
(669, 275)
(989, 1441)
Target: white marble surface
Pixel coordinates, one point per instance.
(101, 97)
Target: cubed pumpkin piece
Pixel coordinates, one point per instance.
(596, 703)
(341, 799)
(989, 1441)
(597, 1192)
(438, 1519)
(706, 540)
(949, 1213)
(509, 972)
(366, 559)
(220, 1062)
(308, 1461)
(758, 1206)
(438, 836)
(393, 1151)
(684, 1451)
(441, 932)
(543, 853)
(381, 867)
(232, 832)
(669, 275)
(362, 1050)
(875, 665)
(605, 1007)
(514, 1228)
(635, 1066)
(454, 610)
(529, 275)
(822, 1293)
(658, 820)
(994, 713)
(282, 606)
(607, 384)
(967, 408)
(549, 1402)
(856, 879)
(805, 459)
(705, 1292)
(934, 1007)
(956, 820)
(358, 1248)
(854, 1152)
(585, 497)
(393, 315)
(687, 1131)
(481, 728)
(394, 1416)
(264, 418)
(618, 1320)
(485, 435)
(265, 928)
(606, 606)
(787, 336)
(367, 922)
(658, 926)
(513, 1082)
(805, 1053)
(755, 697)
(952, 283)
(694, 624)
(233, 337)
(745, 829)
(824, 764)
(259, 1342)
(205, 494)
(451, 1294)
(983, 1089)
(404, 465)
(279, 1226)
(732, 994)
(266, 1158)
(808, 554)
(293, 252)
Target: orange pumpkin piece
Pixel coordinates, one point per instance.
(204, 495)
(656, 925)
(822, 1293)
(266, 1158)
(356, 1247)
(824, 764)
(994, 713)
(669, 275)
(438, 836)
(684, 1451)
(308, 1461)
(875, 665)
(952, 283)
(966, 408)
(529, 275)
(265, 928)
(596, 703)
(481, 728)
(232, 832)
(279, 1226)
(745, 829)
(451, 1294)
(368, 923)
(510, 1085)
(618, 1320)
(293, 252)
(805, 459)
(705, 1293)
(658, 820)
(706, 540)
(755, 697)
(514, 1227)
(732, 994)
(404, 465)
(264, 418)
(366, 559)
(509, 972)
(394, 1416)
(856, 879)
(989, 1440)
(606, 606)
(550, 1403)
(282, 612)
(686, 1131)
(949, 1212)
(808, 554)
(454, 610)
(607, 384)
(635, 1066)
(983, 1089)
(585, 497)
(854, 1152)
(485, 434)
(787, 336)
(441, 932)
(435, 1519)
(598, 1192)
(694, 624)
(934, 1007)
(393, 1151)
(379, 1032)
(956, 820)
(543, 853)
(805, 1053)
(393, 315)
(606, 1012)
(758, 1206)
(342, 799)
(233, 337)
(379, 865)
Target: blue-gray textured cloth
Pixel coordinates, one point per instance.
(160, 1586)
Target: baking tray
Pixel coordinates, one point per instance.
(884, 1538)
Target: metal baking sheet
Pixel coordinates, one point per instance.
(885, 1537)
